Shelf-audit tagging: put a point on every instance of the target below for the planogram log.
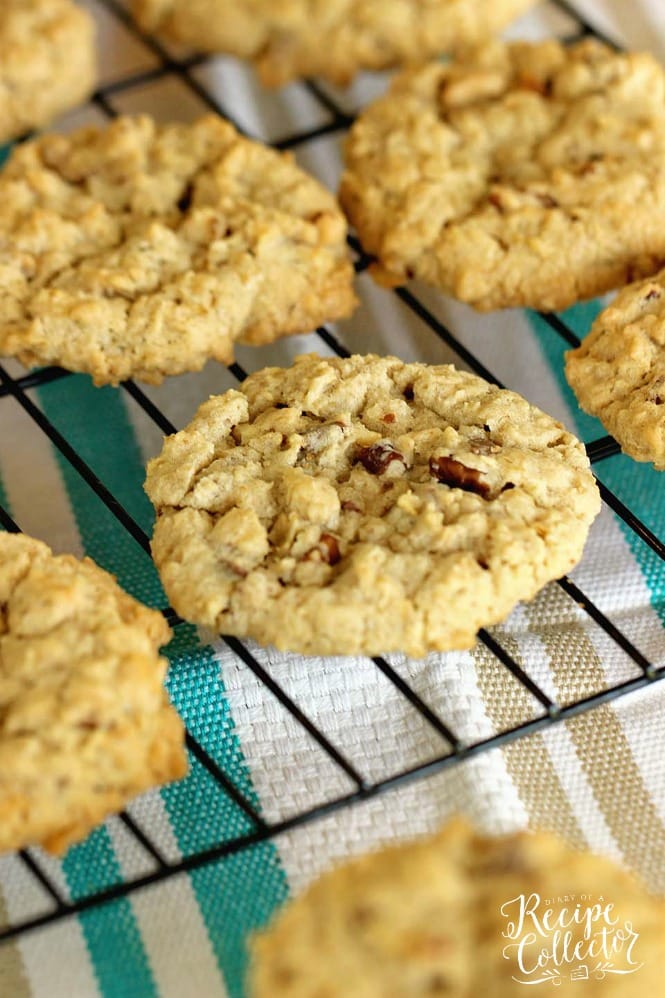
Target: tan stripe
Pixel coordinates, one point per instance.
(508, 703)
(600, 741)
(13, 979)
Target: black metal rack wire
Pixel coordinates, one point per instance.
(454, 750)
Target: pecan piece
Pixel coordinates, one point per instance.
(326, 550)
(448, 471)
(376, 458)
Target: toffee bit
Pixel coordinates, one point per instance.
(450, 472)
(350, 507)
(376, 458)
(654, 293)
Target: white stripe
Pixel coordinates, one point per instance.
(33, 482)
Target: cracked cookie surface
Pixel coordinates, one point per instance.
(331, 38)
(85, 722)
(364, 506)
(47, 62)
(434, 916)
(143, 250)
(618, 372)
(524, 175)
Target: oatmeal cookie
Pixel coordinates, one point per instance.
(462, 915)
(366, 505)
(330, 38)
(618, 373)
(523, 175)
(85, 723)
(143, 250)
(47, 62)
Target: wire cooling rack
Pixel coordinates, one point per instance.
(453, 749)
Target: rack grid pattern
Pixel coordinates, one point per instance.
(454, 750)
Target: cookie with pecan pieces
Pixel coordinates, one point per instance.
(518, 175)
(618, 373)
(458, 915)
(365, 505)
(143, 250)
(85, 722)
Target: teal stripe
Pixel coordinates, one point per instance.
(112, 934)
(237, 895)
(636, 484)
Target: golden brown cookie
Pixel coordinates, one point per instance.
(85, 722)
(143, 250)
(366, 505)
(330, 38)
(618, 373)
(47, 62)
(522, 175)
(460, 915)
